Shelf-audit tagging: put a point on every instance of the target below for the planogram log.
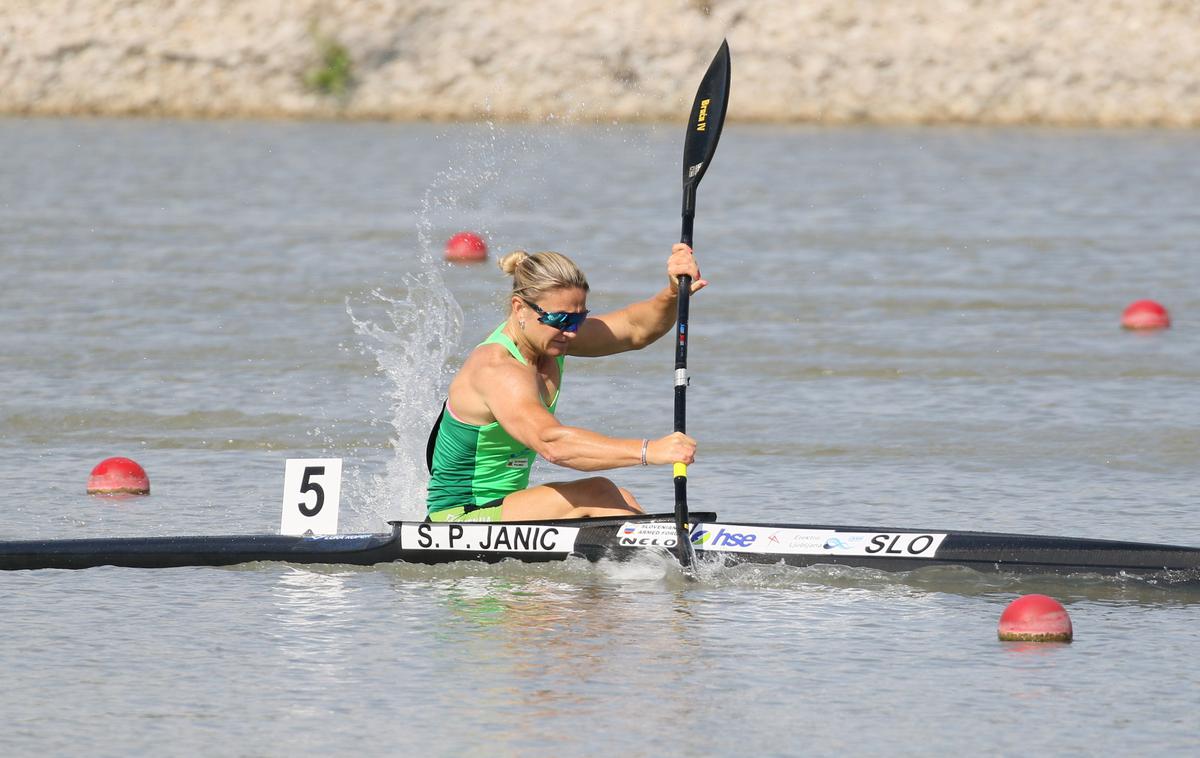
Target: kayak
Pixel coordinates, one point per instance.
(726, 542)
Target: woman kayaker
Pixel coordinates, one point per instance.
(499, 415)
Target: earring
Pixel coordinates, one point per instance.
(521, 323)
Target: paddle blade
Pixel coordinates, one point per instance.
(707, 118)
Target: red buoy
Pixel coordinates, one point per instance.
(118, 476)
(1145, 314)
(466, 247)
(1035, 618)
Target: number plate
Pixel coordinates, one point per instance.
(311, 490)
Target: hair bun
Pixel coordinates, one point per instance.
(508, 263)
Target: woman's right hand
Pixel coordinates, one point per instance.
(676, 447)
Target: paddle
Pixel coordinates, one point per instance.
(704, 129)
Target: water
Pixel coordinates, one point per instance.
(904, 327)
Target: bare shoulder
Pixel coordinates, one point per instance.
(489, 371)
(487, 355)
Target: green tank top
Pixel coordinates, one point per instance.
(475, 465)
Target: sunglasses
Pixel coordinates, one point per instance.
(563, 321)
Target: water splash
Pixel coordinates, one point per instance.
(456, 198)
(413, 349)
(416, 337)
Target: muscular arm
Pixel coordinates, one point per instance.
(510, 392)
(640, 324)
(630, 328)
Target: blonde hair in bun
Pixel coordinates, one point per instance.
(536, 274)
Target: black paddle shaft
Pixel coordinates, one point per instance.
(681, 321)
(681, 316)
(704, 130)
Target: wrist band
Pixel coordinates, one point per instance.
(645, 444)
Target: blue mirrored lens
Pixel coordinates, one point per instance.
(563, 321)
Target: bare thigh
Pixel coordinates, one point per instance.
(596, 496)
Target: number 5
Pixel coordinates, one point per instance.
(309, 486)
(311, 480)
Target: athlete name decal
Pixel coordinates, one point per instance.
(489, 538)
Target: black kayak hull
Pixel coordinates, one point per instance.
(622, 539)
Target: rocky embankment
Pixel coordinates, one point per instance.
(1103, 62)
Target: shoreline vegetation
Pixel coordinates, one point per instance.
(1107, 63)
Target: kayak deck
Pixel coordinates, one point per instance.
(350, 549)
(907, 549)
(621, 539)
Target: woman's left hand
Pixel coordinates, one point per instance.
(683, 261)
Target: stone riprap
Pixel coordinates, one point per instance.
(1085, 62)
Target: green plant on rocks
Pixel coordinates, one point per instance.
(334, 72)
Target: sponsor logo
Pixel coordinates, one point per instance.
(517, 461)
(490, 538)
(784, 541)
(844, 542)
(702, 118)
(746, 538)
(802, 542)
(648, 535)
(722, 538)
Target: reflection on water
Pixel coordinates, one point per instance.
(314, 620)
(552, 642)
(1035, 649)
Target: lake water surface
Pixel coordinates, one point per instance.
(905, 327)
